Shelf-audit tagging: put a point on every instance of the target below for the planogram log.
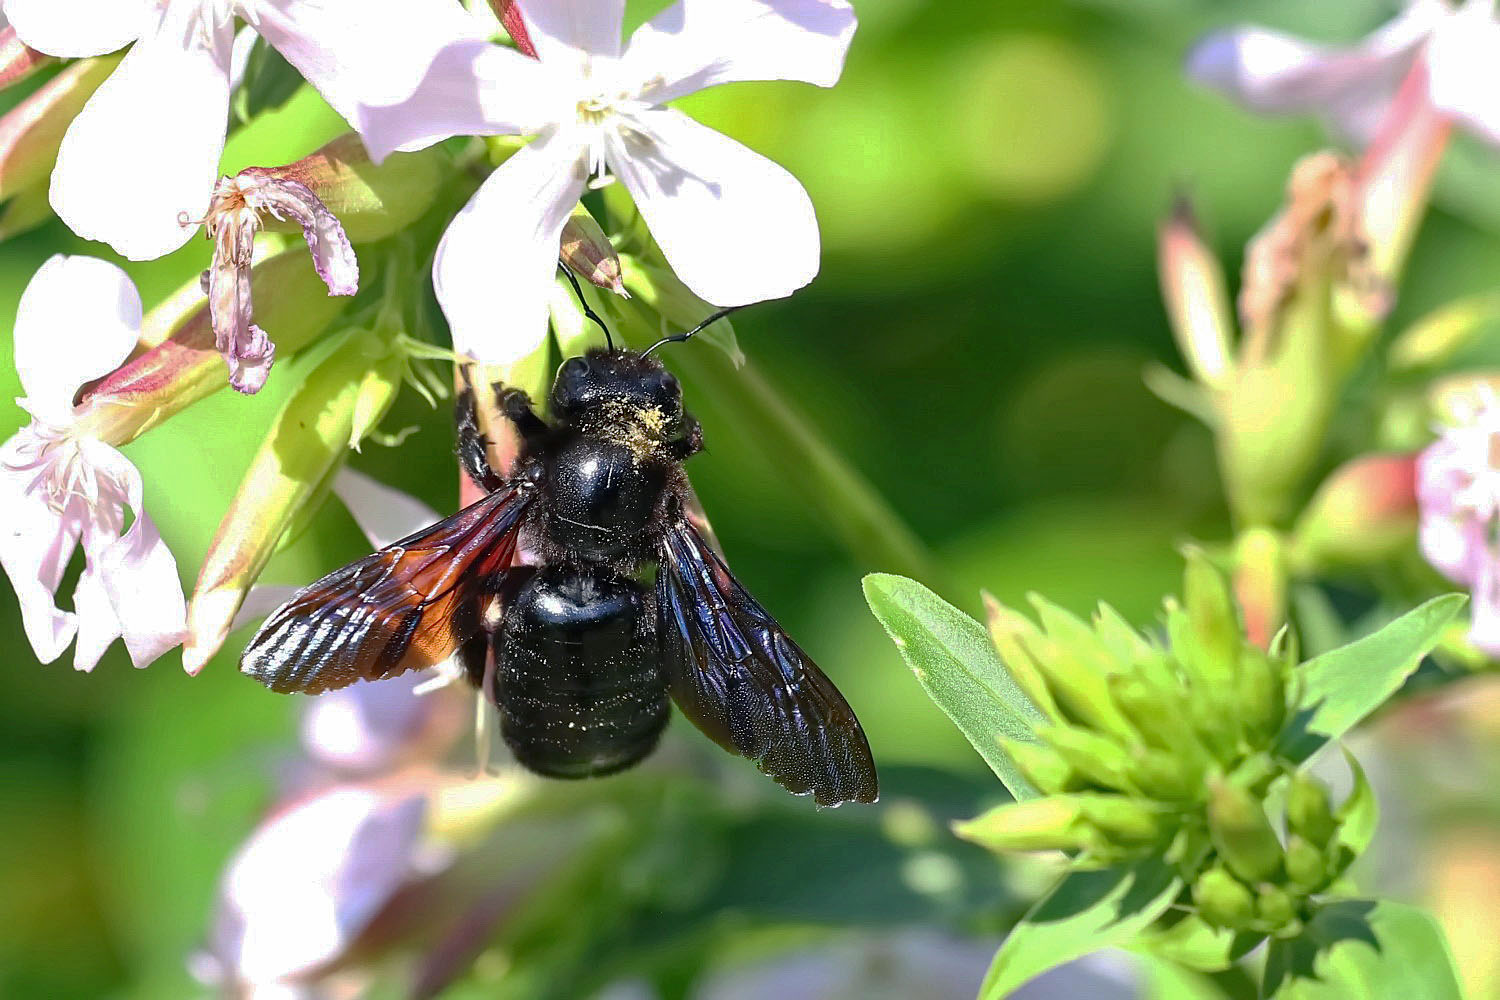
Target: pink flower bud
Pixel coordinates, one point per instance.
(17, 59)
(1192, 285)
(1365, 512)
(589, 254)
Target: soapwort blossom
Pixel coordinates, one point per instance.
(1458, 495)
(1355, 87)
(234, 218)
(736, 227)
(62, 485)
(145, 149)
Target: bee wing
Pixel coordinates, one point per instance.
(738, 677)
(405, 607)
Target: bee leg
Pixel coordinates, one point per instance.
(472, 442)
(516, 406)
(691, 441)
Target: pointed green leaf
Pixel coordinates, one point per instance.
(958, 668)
(1086, 911)
(1342, 686)
(1364, 950)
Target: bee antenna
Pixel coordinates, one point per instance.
(583, 303)
(678, 338)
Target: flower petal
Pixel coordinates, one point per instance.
(311, 878)
(736, 227)
(1484, 624)
(495, 264)
(702, 43)
(135, 570)
(404, 73)
(333, 257)
(35, 546)
(98, 624)
(1463, 71)
(144, 153)
(383, 513)
(567, 32)
(1268, 71)
(369, 724)
(77, 28)
(88, 304)
(472, 88)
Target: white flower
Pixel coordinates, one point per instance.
(61, 485)
(735, 227)
(145, 149)
(1354, 87)
(1458, 494)
(310, 879)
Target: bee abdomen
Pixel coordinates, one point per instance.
(577, 682)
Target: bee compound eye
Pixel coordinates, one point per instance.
(574, 368)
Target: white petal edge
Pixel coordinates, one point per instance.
(35, 546)
(695, 44)
(78, 319)
(74, 29)
(736, 227)
(1463, 61)
(136, 569)
(145, 149)
(567, 32)
(384, 513)
(494, 267)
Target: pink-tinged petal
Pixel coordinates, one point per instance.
(696, 44)
(471, 88)
(1269, 71)
(17, 59)
(135, 570)
(98, 624)
(333, 256)
(1463, 61)
(383, 513)
(567, 32)
(375, 60)
(310, 879)
(736, 227)
(35, 545)
(1484, 624)
(77, 28)
(495, 264)
(144, 153)
(369, 724)
(78, 320)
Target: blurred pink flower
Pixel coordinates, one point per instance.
(310, 879)
(1354, 87)
(60, 484)
(145, 150)
(1458, 494)
(736, 227)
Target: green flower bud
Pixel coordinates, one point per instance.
(1124, 821)
(1159, 714)
(1276, 908)
(1223, 900)
(1260, 695)
(1209, 645)
(1010, 631)
(32, 131)
(1164, 776)
(1124, 643)
(1306, 866)
(1051, 823)
(1309, 813)
(1365, 512)
(307, 441)
(1077, 666)
(1098, 759)
(1241, 833)
(1041, 766)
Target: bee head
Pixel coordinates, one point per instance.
(605, 385)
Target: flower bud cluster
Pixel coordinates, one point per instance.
(1170, 749)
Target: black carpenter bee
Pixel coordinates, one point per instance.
(580, 656)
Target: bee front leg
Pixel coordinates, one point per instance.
(472, 443)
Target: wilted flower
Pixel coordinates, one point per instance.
(146, 147)
(735, 226)
(60, 484)
(1354, 87)
(233, 220)
(1458, 494)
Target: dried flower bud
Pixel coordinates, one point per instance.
(589, 254)
(32, 131)
(17, 59)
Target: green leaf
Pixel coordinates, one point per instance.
(1196, 944)
(1364, 950)
(1359, 814)
(958, 668)
(1167, 981)
(1342, 686)
(1086, 911)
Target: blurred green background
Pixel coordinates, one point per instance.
(988, 177)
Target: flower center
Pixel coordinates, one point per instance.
(604, 118)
